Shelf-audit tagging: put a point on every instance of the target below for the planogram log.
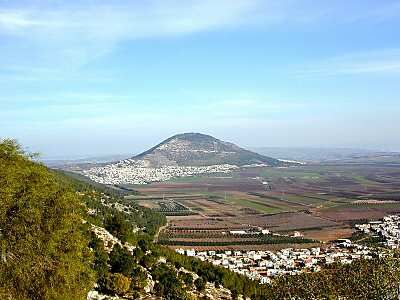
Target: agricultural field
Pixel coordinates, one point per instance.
(322, 202)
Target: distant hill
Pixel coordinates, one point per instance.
(309, 154)
(64, 163)
(196, 149)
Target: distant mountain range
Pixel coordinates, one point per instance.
(89, 160)
(309, 154)
(196, 149)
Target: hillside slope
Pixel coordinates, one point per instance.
(60, 236)
(196, 149)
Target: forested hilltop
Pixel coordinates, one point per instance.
(61, 239)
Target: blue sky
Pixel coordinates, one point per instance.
(101, 77)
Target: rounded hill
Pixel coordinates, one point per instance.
(197, 149)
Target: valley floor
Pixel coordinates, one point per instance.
(320, 202)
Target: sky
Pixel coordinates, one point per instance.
(108, 77)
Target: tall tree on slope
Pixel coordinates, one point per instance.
(44, 253)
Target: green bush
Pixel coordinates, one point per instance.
(200, 284)
(168, 284)
(187, 278)
(119, 284)
(44, 244)
(121, 261)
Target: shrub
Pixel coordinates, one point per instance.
(200, 284)
(119, 284)
(44, 244)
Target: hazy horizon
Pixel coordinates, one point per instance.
(140, 149)
(98, 78)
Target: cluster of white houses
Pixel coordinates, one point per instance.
(264, 265)
(135, 172)
(388, 230)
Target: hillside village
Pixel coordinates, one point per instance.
(388, 230)
(265, 265)
(182, 155)
(135, 172)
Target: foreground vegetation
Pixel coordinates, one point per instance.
(44, 243)
(49, 252)
(363, 279)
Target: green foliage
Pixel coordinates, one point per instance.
(147, 261)
(168, 284)
(200, 284)
(120, 223)
(210, 273)
(144, 245)
(187, 278)
(118, 226)
(363, 279)
(45, 252)
(100, 261)
(234, 294)
(138, 253)
(121, 261)
(367, 239)
(119, 284)
(139, 277)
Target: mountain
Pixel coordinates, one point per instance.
(196, 149)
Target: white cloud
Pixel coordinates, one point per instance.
(130, 19)
(13, 20)
(73, 33)
(66, 36)
(82, 32)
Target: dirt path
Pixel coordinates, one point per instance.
(155, 239)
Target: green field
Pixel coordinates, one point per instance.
(292, 173)
(261, 207)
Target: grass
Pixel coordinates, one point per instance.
(296, 173)
(303, 200)
(367, 240)
(364, 181)
(331, 204)
(264, 208)
(187, 179)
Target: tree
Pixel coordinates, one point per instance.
(140, 279)
(100, 261)
(200, 284)
(168, 284)
(363, 279)
(119, 284)
(187, 278)
(121, 261)
(44, 249)
(144, 245)
(118, 226)
(147, 261)
(234, 294)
